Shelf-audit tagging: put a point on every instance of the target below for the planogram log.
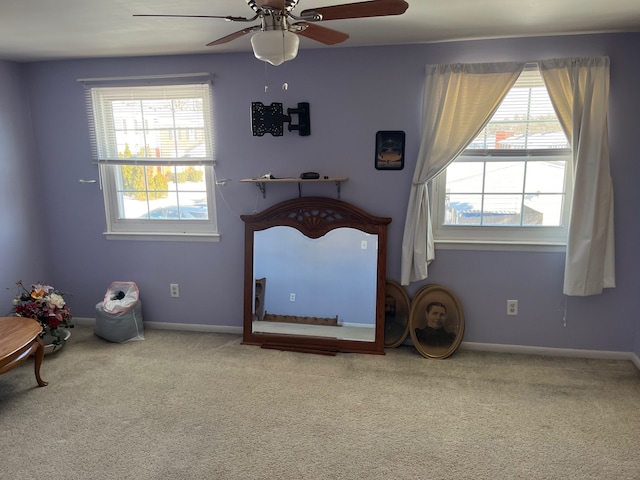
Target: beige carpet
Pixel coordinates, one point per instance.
(187, 405)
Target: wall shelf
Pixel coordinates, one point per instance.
(261, 182)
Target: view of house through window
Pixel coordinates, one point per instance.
(154, 145)
(513, 174)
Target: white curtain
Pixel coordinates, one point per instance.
(458, 102)
(579, 91)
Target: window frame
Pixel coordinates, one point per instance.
(103, 133)
(512, 235)
(509, 237)
(156, 229)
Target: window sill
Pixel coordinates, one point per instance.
(499, 246)
(163, 237)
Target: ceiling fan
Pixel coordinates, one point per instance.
(276, 40)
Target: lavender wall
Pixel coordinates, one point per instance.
(23, 216)
(353, 93)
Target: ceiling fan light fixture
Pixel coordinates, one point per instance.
(275, 46)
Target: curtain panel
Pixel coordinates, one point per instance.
(459, 100)
(579, 91)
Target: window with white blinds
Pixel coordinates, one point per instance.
(154, 145)
(168, 124)
(512, 183)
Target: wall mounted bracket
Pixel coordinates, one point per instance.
(271, 119)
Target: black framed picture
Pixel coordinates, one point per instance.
(436, 321)
(390, 150)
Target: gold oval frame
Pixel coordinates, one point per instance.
(397, 309)
(454, 324)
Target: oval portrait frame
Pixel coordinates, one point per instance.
(397, 311)
(434, 344)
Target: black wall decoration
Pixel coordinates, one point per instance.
(271, 119)
(390, 150)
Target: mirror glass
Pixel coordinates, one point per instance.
(321, 287)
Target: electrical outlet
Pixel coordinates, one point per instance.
(175, 289)
(292, 297)
(512, 307)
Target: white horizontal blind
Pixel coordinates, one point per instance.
(151, 124)
(525, 119)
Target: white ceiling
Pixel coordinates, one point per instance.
(32, 30)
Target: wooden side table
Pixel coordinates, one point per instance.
(19, 338)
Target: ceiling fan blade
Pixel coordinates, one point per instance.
(233, 36)
(373, 8)
(227, 17)
(325, 35)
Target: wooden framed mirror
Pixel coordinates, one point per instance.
(314, 277)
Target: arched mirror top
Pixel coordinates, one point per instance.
(315, 216)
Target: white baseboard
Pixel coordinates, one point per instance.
(187, 327)
(485, 347)
(635, 360)
(193, 327)
(557, 352)
(89, 322)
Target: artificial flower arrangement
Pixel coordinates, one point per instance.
(45, 304)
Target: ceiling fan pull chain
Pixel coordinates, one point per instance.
(266, 87)
(285, 85)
